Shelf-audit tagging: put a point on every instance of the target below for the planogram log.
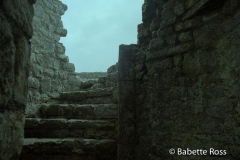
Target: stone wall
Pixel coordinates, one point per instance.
(50, 70)
(15, 35)
(182, 81)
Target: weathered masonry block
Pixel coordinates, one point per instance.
(180, 88)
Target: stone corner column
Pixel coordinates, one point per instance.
(127, 138)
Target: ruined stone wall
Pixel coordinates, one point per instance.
(182, 81)
(50, 70)
(15, 34)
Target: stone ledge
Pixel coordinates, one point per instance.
(63, 128)
(78, 96)
(78, 111)
(69, 146)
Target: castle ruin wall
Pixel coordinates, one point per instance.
(182, 81)
(50, 70)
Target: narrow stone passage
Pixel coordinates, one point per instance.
(79, 125)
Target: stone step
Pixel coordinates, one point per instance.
(84, 149)
(79, 111)
(96, 96)
(67, 157)
(63, 128)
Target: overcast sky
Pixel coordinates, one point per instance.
(96, 28)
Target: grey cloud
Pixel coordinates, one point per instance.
(96, 29)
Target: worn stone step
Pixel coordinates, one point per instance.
(63, 128)
(96, 96)
(79, 111)
(84, 148)
(67, 157)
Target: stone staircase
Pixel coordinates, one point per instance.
(80, 125)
